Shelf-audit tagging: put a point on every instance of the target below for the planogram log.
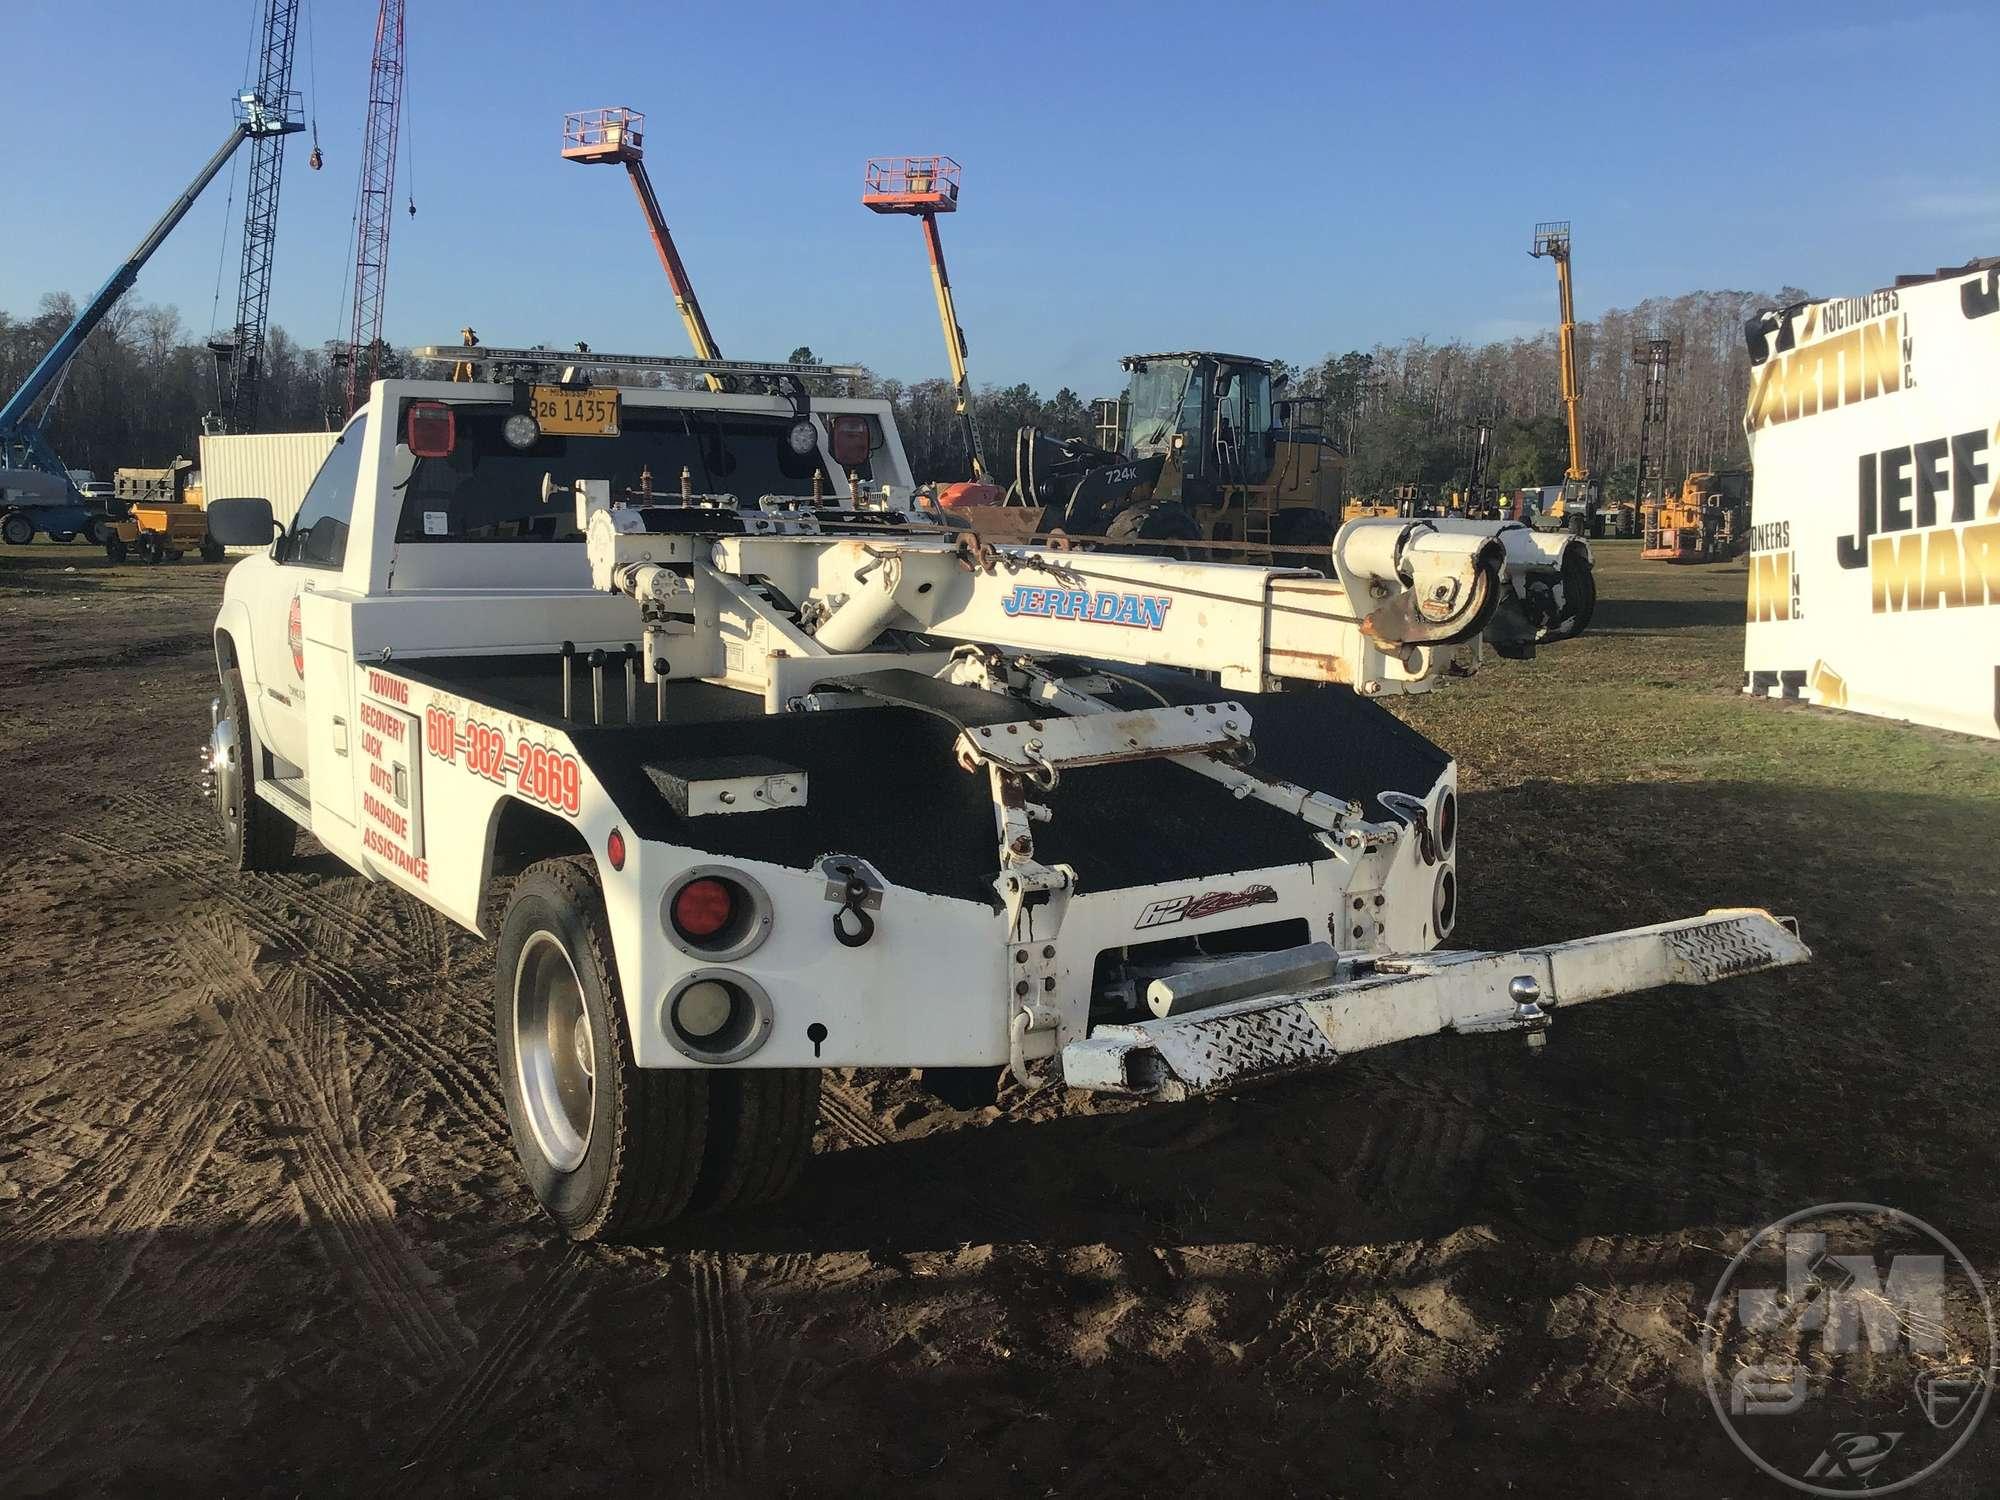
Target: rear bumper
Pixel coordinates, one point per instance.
(1366, 1003)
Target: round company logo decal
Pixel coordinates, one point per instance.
(1849, 1349)
(295, 637)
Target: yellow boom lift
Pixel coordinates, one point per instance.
(1575, 509)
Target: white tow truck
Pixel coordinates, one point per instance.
(780, 770)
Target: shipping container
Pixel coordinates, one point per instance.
(275, 466)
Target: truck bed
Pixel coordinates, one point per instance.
(883, 783)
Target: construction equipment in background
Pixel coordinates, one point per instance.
(926, 186)
(1205, 457)
(362, 356)
(1708, 521)
(1654, 354)
(29, 467)
(165, 515)
(617, 136)
(1576, 507)
(239, 354)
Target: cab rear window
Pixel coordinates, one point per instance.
(487, 490)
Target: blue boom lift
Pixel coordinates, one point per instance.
(35, 489)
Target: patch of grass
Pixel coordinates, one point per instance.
(1653, 694)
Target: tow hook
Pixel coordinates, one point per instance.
(855, 889)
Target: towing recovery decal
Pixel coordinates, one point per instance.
(392, 800)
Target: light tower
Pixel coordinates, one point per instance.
(926, 186)
(618, 135)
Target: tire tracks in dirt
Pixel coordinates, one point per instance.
(715, 1304)
(463, 1088)
(510, 1360)
(350, 1212)
(160, 1178)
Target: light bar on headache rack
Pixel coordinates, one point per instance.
(581, 359)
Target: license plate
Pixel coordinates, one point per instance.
(562, 413)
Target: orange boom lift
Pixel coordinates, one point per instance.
(619, 135)
(927, 186)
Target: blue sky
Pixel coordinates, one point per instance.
(1283, 180)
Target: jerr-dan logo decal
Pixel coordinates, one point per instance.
(1141, 611)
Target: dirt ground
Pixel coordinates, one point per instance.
(261, 1230)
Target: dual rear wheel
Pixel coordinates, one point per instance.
(614, 1151)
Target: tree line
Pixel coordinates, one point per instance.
(137, 393)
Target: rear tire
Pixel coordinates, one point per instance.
(257, 835)
(17, 530)
(760, 1130)
(211, 550)
(115, 548)
(612, 1152)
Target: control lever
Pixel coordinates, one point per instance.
(597, 683)
(631, 682)
(568, 661)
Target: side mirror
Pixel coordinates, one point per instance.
(241, 523)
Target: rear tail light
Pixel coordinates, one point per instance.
(431, 429)
(717, 1016)
(1444, 903)
(702, 909)
(716, 913)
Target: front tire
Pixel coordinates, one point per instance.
(1164, 522)
(256, 834)
(211, 550)
(611, 1150)
(17, 530)
(115, 548)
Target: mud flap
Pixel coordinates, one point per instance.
(1374, 1001)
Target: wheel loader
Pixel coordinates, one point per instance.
(1204, 457)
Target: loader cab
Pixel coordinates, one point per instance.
(1211, 414)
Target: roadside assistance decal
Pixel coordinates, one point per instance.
(392, 802)
(548, 777)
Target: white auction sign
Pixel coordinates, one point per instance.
(1874, 428)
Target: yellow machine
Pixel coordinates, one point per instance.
(165, 515)
(1709, 521)
(1577, 507)
(1240, 466)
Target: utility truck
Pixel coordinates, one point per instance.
(749, 767)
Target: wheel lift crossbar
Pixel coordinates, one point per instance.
(1394, 999)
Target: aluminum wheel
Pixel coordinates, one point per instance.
(554, 1051)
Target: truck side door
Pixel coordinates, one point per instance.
(309, 560)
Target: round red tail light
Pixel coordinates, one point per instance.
(702, 908)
